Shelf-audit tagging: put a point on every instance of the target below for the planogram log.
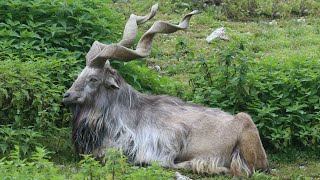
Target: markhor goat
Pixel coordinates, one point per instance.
(109, 113)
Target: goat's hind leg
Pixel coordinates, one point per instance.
(252, 152)
(250, 146)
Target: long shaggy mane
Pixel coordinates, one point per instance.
(125, 119)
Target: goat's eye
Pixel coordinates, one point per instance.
(93, 79)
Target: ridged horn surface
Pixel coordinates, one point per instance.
(99, 52)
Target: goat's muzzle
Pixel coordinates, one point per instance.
(66, 95)
(70, 98)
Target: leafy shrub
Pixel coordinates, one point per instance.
(31, 94)
(144, 79)
(116, 167)
(37, 167)
(45, 25)
(26, 139)
(210, 85)
(282, 97)
(286, 100)
(248, 9)
(31, 91)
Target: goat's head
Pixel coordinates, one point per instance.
(98, 76)
(92, 82)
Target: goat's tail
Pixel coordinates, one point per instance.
(238, 164)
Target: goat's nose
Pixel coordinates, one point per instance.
(66, 95)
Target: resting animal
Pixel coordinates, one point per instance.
(109, 113)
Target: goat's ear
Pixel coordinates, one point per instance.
(111, 82)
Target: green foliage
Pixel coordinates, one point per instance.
(287, 101)
(32, 91)
(152, 172)
(58, 141)
(26, 139)
(282, 97)
(144, 79)
(116, 167)
(37, 167)
(91, 169)
(211, 85)
(251, 9)
(52, 26)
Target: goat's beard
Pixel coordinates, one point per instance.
(85, 138)
(75, 110)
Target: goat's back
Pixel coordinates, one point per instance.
(210, 131)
